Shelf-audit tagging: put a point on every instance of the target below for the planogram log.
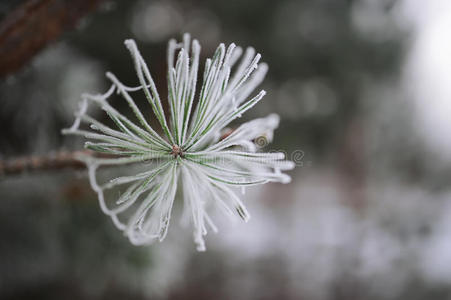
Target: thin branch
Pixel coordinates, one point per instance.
(53, 161)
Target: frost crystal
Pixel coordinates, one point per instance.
(195, 152)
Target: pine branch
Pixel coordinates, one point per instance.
(54, 161)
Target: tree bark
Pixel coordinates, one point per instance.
(34, 24)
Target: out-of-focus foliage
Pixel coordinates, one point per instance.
(362, 90)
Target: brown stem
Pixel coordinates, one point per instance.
(53, 161)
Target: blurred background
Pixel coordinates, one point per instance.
(363, 88)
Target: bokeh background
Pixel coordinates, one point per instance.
(363, 88)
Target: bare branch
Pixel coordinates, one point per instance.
(53, 161)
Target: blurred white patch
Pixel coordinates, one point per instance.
(321, 230)
(251, 239)
(427, 73)
(169, 260)
(308, 235)
(74, 73)
(436, 255)
(82, 75)
(156, 21)
(380, 254)
(392, 235)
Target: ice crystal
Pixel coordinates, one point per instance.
(194, 152)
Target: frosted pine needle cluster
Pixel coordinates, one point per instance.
(193, 155)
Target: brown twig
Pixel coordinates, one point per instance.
(32, 25)
(53, 161)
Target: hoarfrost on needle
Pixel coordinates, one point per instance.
(193, 151)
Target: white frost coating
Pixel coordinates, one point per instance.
(190, 153)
